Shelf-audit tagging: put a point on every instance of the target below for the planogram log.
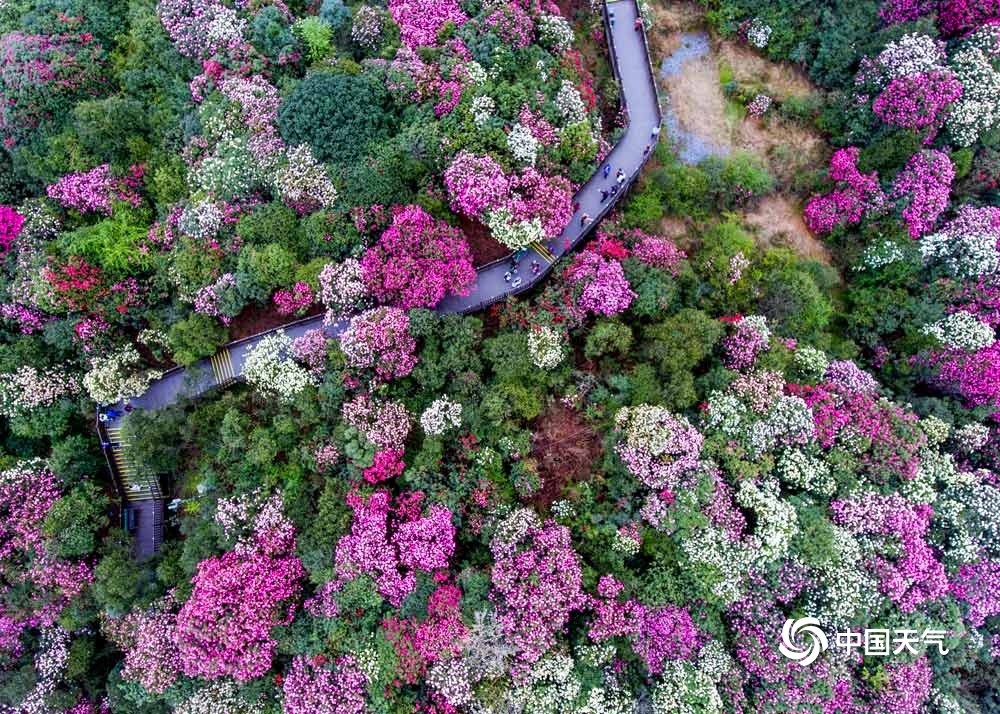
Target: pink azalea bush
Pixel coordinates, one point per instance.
(918, 101)
(225, 627)
(856, 195)
(94, 191)
(418, 260)
(536, 585)
(924, 185)
(475, 184)
(10, 227)
(391, 549)
(310, 687)
(379, 340)
(916, 576)
(601, 285)
(420, 21)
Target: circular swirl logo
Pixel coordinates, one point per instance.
(803, 640)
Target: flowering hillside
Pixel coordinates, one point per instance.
(695, 469)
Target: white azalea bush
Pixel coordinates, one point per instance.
(270, 369)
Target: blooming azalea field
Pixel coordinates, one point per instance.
(613, 494)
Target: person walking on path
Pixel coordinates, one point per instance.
(620, 177)
(576, 206)
(584, 219)
(607, 170)
(604, 195)
(645, 152)
(638, 23)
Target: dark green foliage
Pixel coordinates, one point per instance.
(271, 34)
(195, 337)
(74, 521)
(338, 115)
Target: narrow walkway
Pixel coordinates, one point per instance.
(144, 501)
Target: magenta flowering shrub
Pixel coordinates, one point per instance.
(386, 464)
(536, 584)
(548, 198)
(973, 376)
(224, 629)
(916, 576)
(418, 260)
(924, 185)
(665, 633)
(147, 639)
(512, 25)
(476, 184)
(657, 252)
(28, 491)
(600, 284)
(94, 191)
(294, 301)
(10, 227)
(978, 585)
(856, 195)
(40, 77)
(389, 549)
(750, 338)
(918, 101)
(384, 424)
(310, 687)
(420, 20)
(379, 340)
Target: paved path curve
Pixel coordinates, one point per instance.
(141, 494)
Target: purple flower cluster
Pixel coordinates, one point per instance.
(856, 195)
(978, 584)
(918, 101)
(310, 688)
(418, 260)
(420, 20)
(916, 576)
(745, 344)
(537, 585)
(94, 191)
(924, 184)
(601, 285)
(391, 558)
(10, 227)
(379, 340)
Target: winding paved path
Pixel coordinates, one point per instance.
(144, 501)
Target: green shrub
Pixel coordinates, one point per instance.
(338, 115)
(195, 337)
(74, 520)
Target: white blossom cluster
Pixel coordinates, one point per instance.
(303, 181)
(758, 33)
(512, 529)
(788, 421)
(452, 679)
(961, 331)
(972, 437)
(570, 104)
(685, 689)
(910, 54)
(551, 687)
(546, 347)
(936, 430)
(712, 547)
(230, 170)
(977, 110)
(201, 220)
(848, 588)
(777, 522)
(486, 650)
(366, 28)
(810, 363)
(963, 256)
(623, 544)
(118, 376)
(482, 109)
(608, 699)
(555, 32)
(270, 369)
(28, 388)
(475, 72)
(879, 255)
(216, 698)
(50, 669)
(562, 508)
(522, 144)
(342, 288)
(805, 472)
(442, 414)
(511, 233)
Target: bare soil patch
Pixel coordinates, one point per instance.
(484, 248)
(257, 318)
(566, 450)
(778, 222)
(783, 80)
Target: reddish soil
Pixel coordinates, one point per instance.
(256, 318)
(484, 248)
(566, 450)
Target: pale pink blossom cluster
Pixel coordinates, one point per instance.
(379, 340)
